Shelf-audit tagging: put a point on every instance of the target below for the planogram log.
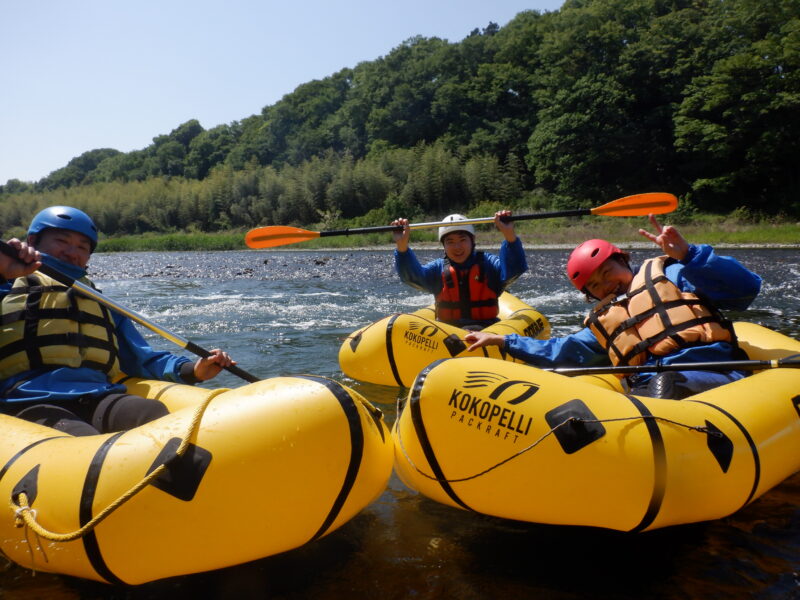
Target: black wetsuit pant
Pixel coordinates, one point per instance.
(112, 412)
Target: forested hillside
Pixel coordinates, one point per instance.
(600, 99)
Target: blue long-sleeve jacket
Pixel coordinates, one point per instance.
(501, 271)
(136, 359)
(721, 279)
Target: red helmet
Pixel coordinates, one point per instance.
(586, 258)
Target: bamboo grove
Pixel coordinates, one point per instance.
(597, 100)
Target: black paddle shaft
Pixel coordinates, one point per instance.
(578, 212)
(792, 362)
(93, 294)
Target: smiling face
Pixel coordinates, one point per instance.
(613, 276)
(457, 246)
(65, 245)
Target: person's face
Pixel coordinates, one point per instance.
(65, 245)
(457, 246)
(612, 277)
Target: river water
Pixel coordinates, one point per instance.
(287, 312)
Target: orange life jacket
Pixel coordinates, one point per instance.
(655, 317)
(465, 294)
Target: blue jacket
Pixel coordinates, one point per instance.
(721, 279)
(501, 271)
(136, 358)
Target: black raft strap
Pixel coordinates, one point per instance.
(59, 339)
(31, 330)
(448, 274)
(113, 351)
(466, 301)
(20, 290)
(671, 332)
(479, 303)
(593, 321)
(481, 271)
(648, 287)
(463, 294)
(54, 313)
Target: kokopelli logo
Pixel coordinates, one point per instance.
(476, 409)
(534, 328)
(476, 379)
(425, 329)
(420, 335)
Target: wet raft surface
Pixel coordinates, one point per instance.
(289, 316)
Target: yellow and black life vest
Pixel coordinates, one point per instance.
(655, 317)
(46, 325)
(465, 294)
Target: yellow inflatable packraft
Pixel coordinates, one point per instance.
(395, 349)
(518, 442)
(268, 467)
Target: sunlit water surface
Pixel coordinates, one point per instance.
(287, 312)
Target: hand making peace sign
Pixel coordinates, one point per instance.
(672, 243)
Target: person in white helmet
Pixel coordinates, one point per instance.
(465, 283)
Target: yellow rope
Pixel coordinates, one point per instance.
(26, 516)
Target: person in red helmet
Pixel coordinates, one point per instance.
(465, 282)
(61, 353)
(665, 311)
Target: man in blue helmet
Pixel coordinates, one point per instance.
(60, 352)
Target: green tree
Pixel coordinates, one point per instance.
(78, 170)
(210, 148)
(15, 186)
(579, 146)
(737, 126)
(436, 181)
(169, 159)
(185, 133)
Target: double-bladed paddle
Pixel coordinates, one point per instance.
(788, 362)
(93, 294)
(638, 205)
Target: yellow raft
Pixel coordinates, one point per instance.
(271, 466)
(395, 349)
(514, 441)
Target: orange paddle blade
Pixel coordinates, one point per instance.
(277, 235)
(639, 205)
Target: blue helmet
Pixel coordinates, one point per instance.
(64, 217)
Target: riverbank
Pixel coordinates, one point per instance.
(552, 233)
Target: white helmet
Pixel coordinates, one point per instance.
(443, 231)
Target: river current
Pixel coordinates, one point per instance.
(287, 313)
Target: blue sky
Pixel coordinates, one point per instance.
(92, 74)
